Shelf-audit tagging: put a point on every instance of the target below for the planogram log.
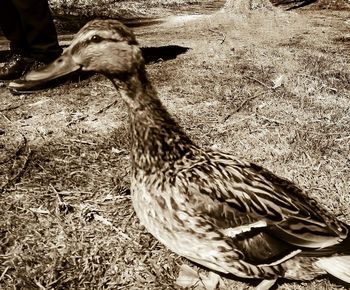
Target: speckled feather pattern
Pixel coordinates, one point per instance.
(225, 214)
(188, 198)
(189, 209)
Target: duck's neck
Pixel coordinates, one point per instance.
(156, 139)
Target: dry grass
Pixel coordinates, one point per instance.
(125, 9)
(67, 221)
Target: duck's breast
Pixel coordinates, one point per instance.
(167, 213)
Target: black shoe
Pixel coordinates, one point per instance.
(5, 55)
(15, 67)
(23, 86)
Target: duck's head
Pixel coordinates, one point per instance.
(104, 46)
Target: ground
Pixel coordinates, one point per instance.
(266, 85)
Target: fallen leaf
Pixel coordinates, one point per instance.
(102, 220)
(39, 210)
(211, 281)
(189, 278)
(118, 151)
(277, 82)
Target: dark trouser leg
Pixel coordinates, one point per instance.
(10, 23)
(39, 29)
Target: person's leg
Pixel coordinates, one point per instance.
(39, 29)
(17, 61)
(10, 23)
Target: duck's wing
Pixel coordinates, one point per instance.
(247, 199)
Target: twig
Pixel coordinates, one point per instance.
(24, 167)
(106, 222)
(107, 107)
(308, 76)
(19, 173)
(271, 120)
(40, 286)
(126, 222)
(98, 112)
(40, 134)
(9, 108)
(325, 134)
(55, 191)
(18, 151)
(62, 207)
(260, 82)
(246, 101)
(236, 110)
(55, 281)
(69, 193)
(4, 273)
(7, 119)
(77, 120)
(222, 34)
(237, 122)
(154, 245)
(39, 210)
(342, 139)
(82, 141)
(223, 38)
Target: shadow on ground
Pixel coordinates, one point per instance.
(150, 54)
(162, 53)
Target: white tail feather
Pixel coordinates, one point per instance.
(338, 266)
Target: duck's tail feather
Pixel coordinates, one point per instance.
(337, 266)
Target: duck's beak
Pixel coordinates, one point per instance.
(62, 66)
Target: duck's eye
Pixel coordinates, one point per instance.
(96, 38)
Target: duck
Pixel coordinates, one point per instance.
(230, 216)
